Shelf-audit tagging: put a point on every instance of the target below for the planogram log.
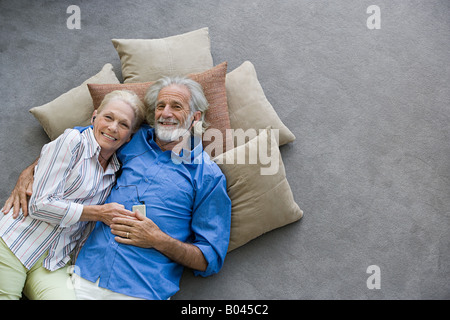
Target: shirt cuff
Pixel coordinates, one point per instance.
(211, 258)
(72, 215)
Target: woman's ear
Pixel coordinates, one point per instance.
(94, 115)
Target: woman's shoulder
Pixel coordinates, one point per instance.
(71, 138)
(71, 134)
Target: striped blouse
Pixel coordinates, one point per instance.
(68, 176)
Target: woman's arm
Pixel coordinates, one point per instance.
(105, 213)
(22, 191)
(55, 165)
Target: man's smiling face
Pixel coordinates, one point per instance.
(172, 113)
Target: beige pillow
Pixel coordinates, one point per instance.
(100, 90)
(260, 200)
(248, 106)
(73, 108)
(149, 59)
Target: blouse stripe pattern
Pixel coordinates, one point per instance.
(67, 177)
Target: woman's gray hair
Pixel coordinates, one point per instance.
(197, 102)
(130, 98)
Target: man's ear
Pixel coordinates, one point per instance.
(198, 128)
(197, 115)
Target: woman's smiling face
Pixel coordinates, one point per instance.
(113, 126)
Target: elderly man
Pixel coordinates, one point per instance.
(187, 209)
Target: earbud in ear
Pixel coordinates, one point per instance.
(198, 130)
(93, 118)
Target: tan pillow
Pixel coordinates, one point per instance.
(149, 59)
(248, 106)
(99, 91)
(73, 108)
(213, 83)
(260, 200)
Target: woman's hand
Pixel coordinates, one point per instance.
(105, 213)
(21, 193)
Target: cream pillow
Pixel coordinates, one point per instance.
(149, 59)
(73, 108)
(248, 106)
(260, 200)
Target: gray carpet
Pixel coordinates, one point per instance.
(370, 110)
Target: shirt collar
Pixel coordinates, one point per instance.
(93, 149)
(113, 165)
(195, 151)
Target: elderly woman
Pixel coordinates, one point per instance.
(74, 176)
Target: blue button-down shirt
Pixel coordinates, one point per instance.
(187, 200)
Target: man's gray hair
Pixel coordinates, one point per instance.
(197, 102)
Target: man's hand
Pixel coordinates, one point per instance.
(144, 233)
(21, 193)
(140, 232)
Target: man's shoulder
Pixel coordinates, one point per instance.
(144, 129)
(210, 167)
(144, 134)
(138, 144)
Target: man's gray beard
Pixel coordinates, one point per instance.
(169, 135)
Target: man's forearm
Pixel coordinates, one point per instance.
(143, 232)
(185, 254)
